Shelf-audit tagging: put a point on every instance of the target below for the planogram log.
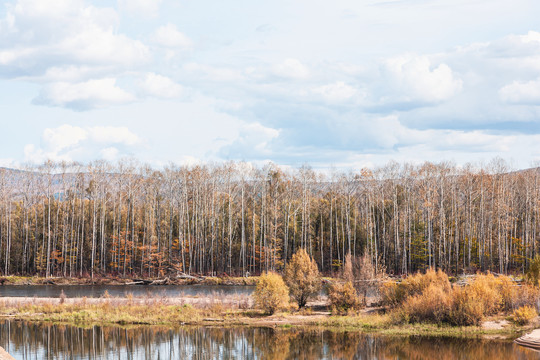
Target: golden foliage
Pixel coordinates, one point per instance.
(430, 297)
(432, 305)
(302, 277)
(343, 298)
(532, 276)
(524, 315)
(486, 289)
(271, 293)
(466, 309)
(395, 294)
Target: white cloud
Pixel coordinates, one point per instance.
(112, 135)
(253, 139)
(69, 143)
(417, 79)
(71, 48)
(110, 153)
(213, 73)
(63, 137)
(292, 69)
(336, 92)
(102, 47)
(62, 33)
(521, 92)
(160, 86)
(148, 8)
(169, 36)
(69, 73)
(83, 96)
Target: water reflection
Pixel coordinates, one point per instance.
(120, 290)
(38, 341)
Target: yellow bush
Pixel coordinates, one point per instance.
(395, 294)
(485, 288)
(388, 291)
(524, 315)
(302, 277)
(432, 305)
(430, 297)
(532, 276)
(466, 307)
(271, 293)
(526, 295)
(343, 298)
(508, 290)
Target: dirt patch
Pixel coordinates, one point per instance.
(495, 324)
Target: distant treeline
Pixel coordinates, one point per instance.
(71, 220)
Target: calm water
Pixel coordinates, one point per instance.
(119, 290)
(37, 341)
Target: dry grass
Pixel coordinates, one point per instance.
(126, 310)
(111, 311)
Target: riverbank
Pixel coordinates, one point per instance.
(176, 280)
(229, 310)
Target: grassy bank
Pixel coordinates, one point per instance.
(117, 311)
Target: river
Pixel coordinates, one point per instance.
(95, 291)
(25, 340)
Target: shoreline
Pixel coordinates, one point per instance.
(129, 281)
(230, 311)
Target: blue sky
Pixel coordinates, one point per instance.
(343, 84)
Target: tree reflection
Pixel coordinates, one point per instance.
(41, 341)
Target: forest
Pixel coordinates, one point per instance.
(237, 219)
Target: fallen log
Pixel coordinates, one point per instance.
(165, 281)
(139, 282)
(189, 277)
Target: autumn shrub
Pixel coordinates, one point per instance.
(347, 273)
(509, 292)
(527, 295)
(485, 289)
(430, 297)
(432, 305)
(524, 314)
(532, 276)
(271, 293)
(396, 293)
(367, 275)
(302, 277)
(343, 298)
(466, 308)
(388, 291)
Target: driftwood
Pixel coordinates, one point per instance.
(165, 281)
(139, 282)
(531, 340)
(189, 277)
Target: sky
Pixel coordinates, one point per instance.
(340, 84)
